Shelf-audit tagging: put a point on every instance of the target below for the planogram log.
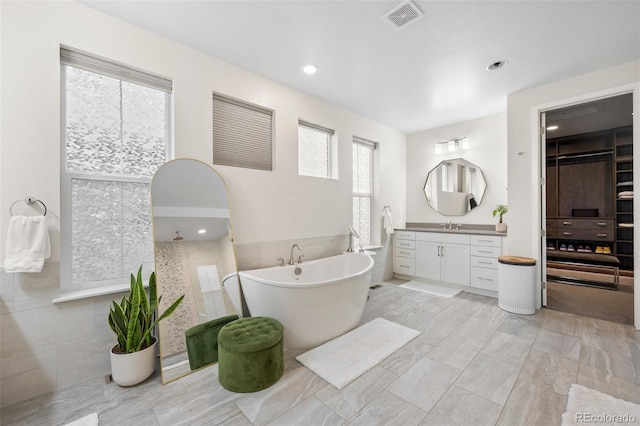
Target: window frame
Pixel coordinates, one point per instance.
(89, 63)
(331, 134)
(373, 146)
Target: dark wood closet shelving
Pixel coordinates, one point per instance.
(585, 214)
(623, 142)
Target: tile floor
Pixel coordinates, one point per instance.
(472, 364)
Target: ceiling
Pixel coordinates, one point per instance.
(429, 73)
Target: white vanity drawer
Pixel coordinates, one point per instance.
(404, 252)
(443, 237)
(404, 265)
(486, 240)
(404, 235)
(484, 262)
(484, 278)
(486, 251)
(407, 244)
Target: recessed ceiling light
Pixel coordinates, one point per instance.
(554, 127)
(496, 65)
(202, 231)
(310, 69)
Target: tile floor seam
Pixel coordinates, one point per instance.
(518, 376)
(322, 402)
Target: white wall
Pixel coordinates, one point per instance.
(524, 170)
(289, 206)
(41, 342)
(488, 144)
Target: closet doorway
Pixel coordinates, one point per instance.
(588, 209)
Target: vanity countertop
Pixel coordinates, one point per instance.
(464, 229)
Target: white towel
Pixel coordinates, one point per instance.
(27, 244)
(388, 222)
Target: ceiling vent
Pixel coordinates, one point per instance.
(402, 14)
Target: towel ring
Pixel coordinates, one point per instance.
(29, 201)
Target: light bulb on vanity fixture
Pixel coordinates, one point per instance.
(452, 145)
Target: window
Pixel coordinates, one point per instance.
(242, 134)
(115, 135)
(363, 188)
(314, 150)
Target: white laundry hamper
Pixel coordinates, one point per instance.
(516, 284)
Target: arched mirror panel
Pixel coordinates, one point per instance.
(455, 187)
(194, 255)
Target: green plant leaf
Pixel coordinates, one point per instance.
(133, 315)
(153, 294)
(165, 314)
(133, 319)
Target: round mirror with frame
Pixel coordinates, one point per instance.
(455, 187)
(194, 254)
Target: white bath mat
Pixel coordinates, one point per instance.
(345, 358)
(589, 406)
(90, 420)
(435, 289)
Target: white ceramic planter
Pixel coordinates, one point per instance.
(131, 369)
(501, 227)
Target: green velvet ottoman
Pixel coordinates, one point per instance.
(250, 354)
(202, 341)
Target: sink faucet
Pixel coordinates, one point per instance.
(450, 226)
(291, 262)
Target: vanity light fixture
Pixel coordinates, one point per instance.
(202, 231)
(452, 145)
(310, 69)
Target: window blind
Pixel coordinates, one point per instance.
(242, 134)
(86, 62)
(364, 142)
(316, 127)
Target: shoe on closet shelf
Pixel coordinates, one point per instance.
(570, 248)
(581, 248)
(606, 250)
(599, 249)
(563, 247)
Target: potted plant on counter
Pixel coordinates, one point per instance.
(133, 358)
(500, 210)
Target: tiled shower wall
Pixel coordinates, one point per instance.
(46, 346)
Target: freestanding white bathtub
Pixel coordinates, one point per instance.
(324, 301)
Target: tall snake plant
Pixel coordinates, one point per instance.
(132, 319)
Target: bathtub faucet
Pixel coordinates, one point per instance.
(291, 262)
(352, 233)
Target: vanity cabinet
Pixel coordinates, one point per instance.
(404, 253)
(485, 250)
(442, 257)
(466, 261)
